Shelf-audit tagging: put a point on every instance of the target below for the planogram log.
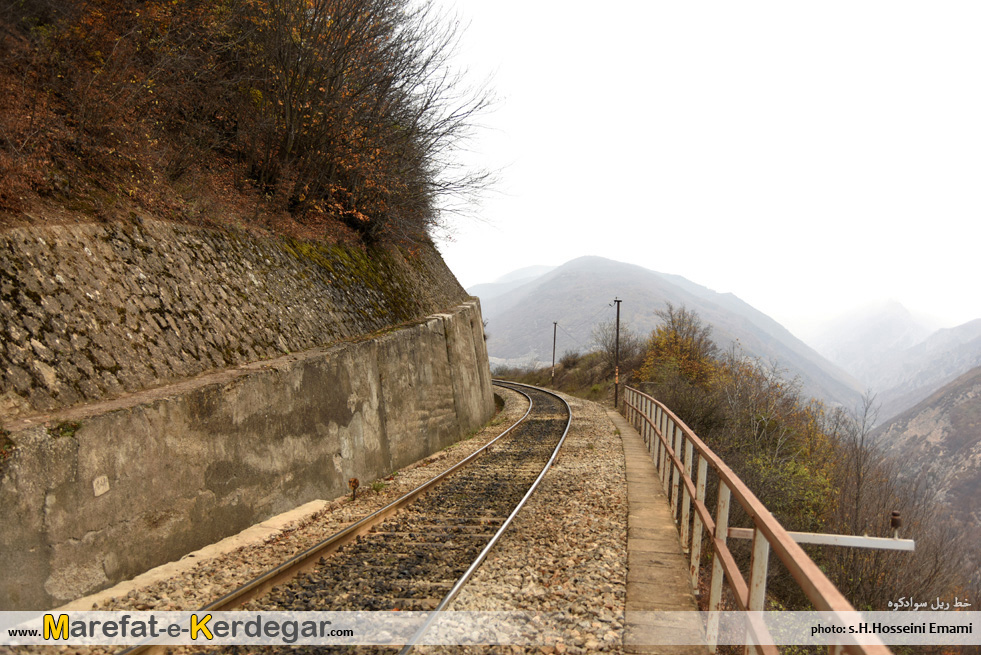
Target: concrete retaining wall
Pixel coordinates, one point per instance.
(108, 491)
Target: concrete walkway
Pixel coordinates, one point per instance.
(657, 569)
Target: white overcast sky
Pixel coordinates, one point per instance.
(806, 156)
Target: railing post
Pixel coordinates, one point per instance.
(652, 429)
(698, 527)
(718, 572)
(649, 413)
(639, 415)
(664, 429)
(688, 447)
(660, 447)
(757, 571)
(655, 438)
(757, 582)
(676, 484)
(669, 467)
(668, 436)
(646, 424)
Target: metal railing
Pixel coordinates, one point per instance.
(683, 462)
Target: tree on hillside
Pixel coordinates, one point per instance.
(605, 336)
(343, 108)
(679, 364)
(681, 343)
(356, 100)
(775, 438)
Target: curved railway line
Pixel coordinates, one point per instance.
(417, 552)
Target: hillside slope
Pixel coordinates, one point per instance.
(287, 115)
(579, 294)
(941, 437)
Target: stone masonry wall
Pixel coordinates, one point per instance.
(89, 312)
(162, 387)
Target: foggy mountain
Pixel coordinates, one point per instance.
(579, 295)
(941, 438)
(860, 341)
(511, 281)
(922, 369)
(898, 356)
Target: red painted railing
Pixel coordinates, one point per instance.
(684, 463)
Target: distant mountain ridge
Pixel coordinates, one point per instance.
(898, 356)
(506, 283)
(923, 368)
(859, 341)
(579, 294)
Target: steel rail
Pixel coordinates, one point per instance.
(500, 531)
(309, 558)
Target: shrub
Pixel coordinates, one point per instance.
(570, 358)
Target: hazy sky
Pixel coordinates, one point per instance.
(804, 156)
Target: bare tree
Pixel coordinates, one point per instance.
(869, 489)
(605, 336)
(358, 103)
(686, 327)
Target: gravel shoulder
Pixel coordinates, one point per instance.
(565, 555)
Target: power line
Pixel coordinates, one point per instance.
(592, 318)
(573, 338)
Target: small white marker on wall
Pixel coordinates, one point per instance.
(100, 485)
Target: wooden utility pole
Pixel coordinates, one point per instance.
(555, 328)
(616, 360)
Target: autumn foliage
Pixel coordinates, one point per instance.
(321, 110)
(680, 346)
(815, 468)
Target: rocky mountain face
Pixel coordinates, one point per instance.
(898, 356)
(579, 295)
(941, 438)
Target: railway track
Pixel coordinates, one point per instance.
(416, 553)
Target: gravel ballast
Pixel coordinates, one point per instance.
(565, 555)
